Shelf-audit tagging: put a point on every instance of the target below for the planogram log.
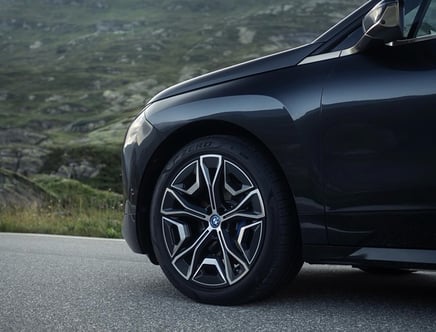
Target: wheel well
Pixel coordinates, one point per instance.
(163, 154)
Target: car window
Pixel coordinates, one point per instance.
(419, 18)
(428, 26)
(410, 11)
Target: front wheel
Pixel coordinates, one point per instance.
(222, 223)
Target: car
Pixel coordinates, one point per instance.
(324, 154)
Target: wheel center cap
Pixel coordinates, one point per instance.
(215, 221)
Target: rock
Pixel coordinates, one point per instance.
(113, 95)
(85, 126)
(4, 95)
(101, 5)
(25, 161)
(79, 170)
(246, 36)
(66, 108)
(20, 151)
(17, 135)
(43, 124)
(31, 161)
(35, 45)
(54, 98)
(276, 10)
(19, 192)
(9, 160)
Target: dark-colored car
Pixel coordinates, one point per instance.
(323, 154)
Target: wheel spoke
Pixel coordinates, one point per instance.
(174, 205)
(236, 181)
(235, 267)
(210, 273)
(211, 167)
(184, 262)
(251, 207)
(249, 240)
(175, 234)
(188, 180)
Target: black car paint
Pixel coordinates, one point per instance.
(379, 155)
(336, 130)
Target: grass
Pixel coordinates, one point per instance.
(72, 208)
(58, 219)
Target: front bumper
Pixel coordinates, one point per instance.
(129, 229)
(132, 171)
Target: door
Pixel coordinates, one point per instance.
(378, 142)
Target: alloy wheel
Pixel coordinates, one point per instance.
(213, 220)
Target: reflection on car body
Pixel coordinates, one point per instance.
(320, 154)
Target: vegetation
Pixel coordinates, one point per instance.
(75, 72)
(70, 208)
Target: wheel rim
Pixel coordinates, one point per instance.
(212, 221)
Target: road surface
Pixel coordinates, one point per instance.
(70, 283)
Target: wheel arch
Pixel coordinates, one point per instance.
(174, 142)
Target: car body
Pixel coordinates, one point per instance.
(346, 130)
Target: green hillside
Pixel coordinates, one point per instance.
(73, 73)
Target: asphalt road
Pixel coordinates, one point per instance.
(65, 283)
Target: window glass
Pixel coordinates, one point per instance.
(410, 9)
(428, 26)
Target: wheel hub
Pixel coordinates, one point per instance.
(215, 221)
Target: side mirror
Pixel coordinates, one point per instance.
(383, 23)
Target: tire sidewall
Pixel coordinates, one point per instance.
(253, 164)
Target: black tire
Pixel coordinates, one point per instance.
(243, 248)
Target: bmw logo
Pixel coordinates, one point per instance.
(215, 221)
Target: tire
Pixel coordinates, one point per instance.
(222, 223)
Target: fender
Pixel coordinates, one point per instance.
(255, 114)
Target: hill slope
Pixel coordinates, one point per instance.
(74, 72)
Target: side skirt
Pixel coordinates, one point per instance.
(366, 256)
